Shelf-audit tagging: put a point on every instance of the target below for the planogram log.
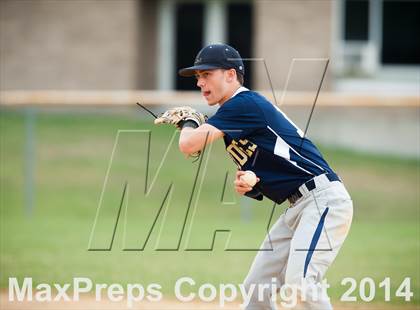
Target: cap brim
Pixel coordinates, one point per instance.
(190, 71)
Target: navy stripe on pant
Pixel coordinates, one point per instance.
(314, 241)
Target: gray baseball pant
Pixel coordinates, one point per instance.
(300, 247)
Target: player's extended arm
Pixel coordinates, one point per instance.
(193, 140)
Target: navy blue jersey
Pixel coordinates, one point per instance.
(260, 137)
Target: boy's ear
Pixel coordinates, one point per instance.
(231, 74)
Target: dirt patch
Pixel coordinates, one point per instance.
(89, 303)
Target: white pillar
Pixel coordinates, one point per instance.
(214, 22)
(337, 36)
(166, 46)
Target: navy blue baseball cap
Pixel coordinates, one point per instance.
(215, 56)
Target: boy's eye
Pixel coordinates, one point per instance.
(204, 75)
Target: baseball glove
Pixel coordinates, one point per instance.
(180, 116)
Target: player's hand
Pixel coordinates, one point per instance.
(179, 115)
(242, 187)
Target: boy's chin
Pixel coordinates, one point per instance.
(210, 102)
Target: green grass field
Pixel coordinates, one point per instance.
(72, 154)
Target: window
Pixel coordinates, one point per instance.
(356, 20)
(189, 37)
(401, 32)
(240, 34)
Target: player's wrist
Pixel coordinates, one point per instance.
(188, 123)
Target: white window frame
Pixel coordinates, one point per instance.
(372, 68)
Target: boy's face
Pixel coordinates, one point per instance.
(214, 85)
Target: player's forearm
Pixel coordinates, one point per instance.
(191, 140)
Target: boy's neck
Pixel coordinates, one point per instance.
(230, 93)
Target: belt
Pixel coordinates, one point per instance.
(311, 185)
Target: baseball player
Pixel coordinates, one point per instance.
(305, 240)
